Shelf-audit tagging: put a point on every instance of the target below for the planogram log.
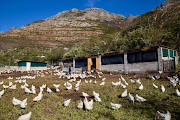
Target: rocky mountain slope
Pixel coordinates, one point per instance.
(66, 27)
(160, 26)
(91, 31)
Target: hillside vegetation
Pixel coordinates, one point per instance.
(160, 26)
(154, 28)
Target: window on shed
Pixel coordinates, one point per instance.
(165, 52)
(34, 64)
(134, 57)
(148, 56)
(138, 57)
(20, 64)
(80, 63)
(131, 57)
(171, 53)
(112, 59)
(142, 56)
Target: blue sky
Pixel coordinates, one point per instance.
(16, 13)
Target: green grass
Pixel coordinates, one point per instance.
(51, 106)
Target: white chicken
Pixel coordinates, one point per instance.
(155, 86)
(88, 105)
(95, 82)
(95, 94)
(126, 83)
(160, 72)
(66, 103)
(33, 89)
(157, 76)
(20, 81)
(56, 86)
(23, 86)
(16, 81)
(85, 81)
(163, 116)
(115, 106)
(43, 86)
(2, 82)
(173, 83)
(141, 87)
(177, 93)
(77, 85)
(122, 78)
(38, 98)
(151, 77)
(124, 94)
(132, 81)
(140, 99)
(13, 87)
(26, 84)
(102, 83)
(90, 81)
(49, 90)
(131, 98)
(80, 105)
(69, 86)
(16, 101)
(76, 88)
(41, 89)
(65, 84)
(138, 81)
(57, 90)
(1, 93)
(27, 90)
(104, 79)
(24, 81)
(72, 80)
(97, 99)
(116, 83)
(25, 116)
(85, 94)
(162, 88)
(10, 84)
(23, 103)
(5, 86)
(123, 86)
(10, 78)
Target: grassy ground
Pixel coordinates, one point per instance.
(51, 106)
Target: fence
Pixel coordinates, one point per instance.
(169, 66)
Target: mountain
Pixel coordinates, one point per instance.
(164, 21)
(160, 26)
(91, 31)
(167, 4)
(65, 28)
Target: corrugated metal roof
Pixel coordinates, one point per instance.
(30, 61)
(117, 52)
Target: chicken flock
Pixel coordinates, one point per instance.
(86, 104)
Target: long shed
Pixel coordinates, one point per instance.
(148, 59)
(30, 65)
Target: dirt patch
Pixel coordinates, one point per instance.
(14, 74)
(75, 96)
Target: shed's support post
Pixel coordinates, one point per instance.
(125, 63)
(73, 65)
(160, 61)
(99, 62)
